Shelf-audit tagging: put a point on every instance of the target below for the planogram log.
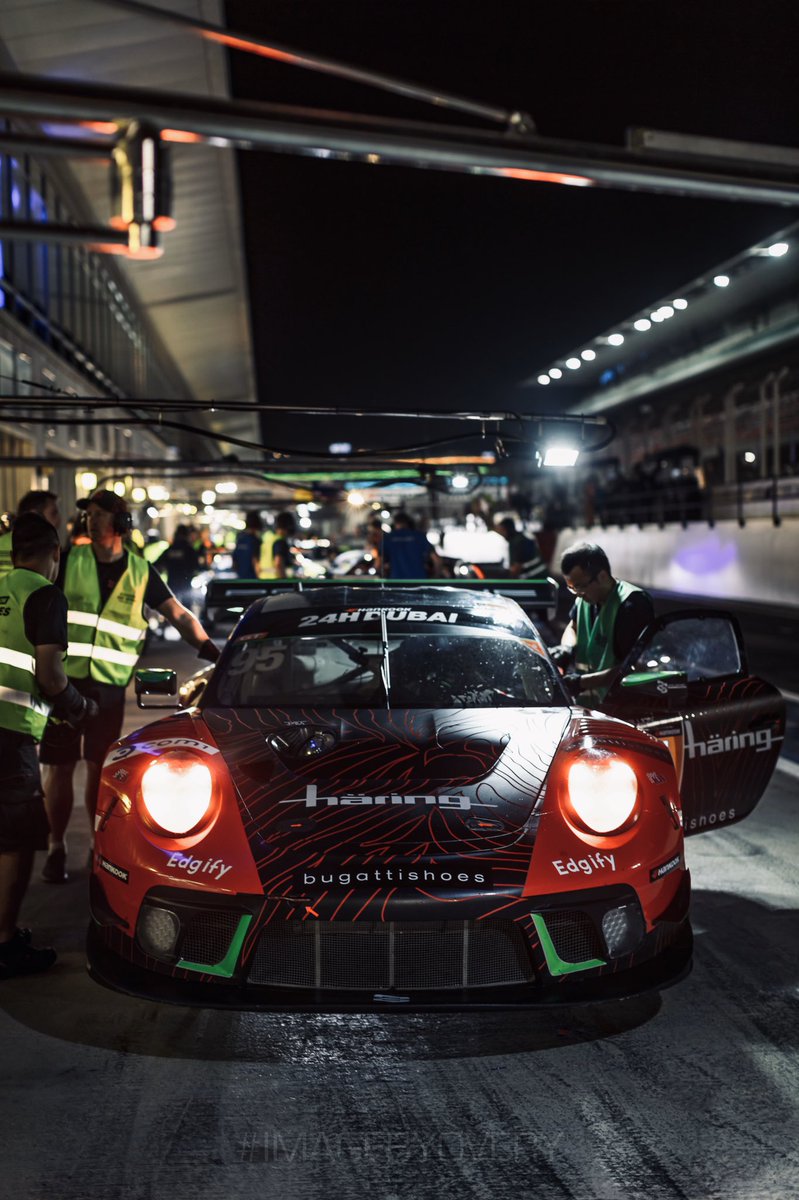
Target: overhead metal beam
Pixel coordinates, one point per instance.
(29, 143)
(379, 140)
(97, 236)
(266, 48)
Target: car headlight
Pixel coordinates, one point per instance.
(176, 791)
(603, 792)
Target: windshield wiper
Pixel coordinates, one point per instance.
(385, 670)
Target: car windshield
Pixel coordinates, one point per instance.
(465, 668)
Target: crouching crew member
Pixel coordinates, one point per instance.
(604, 623)
(106, 587)
(33, 685)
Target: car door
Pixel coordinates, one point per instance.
(687, 682)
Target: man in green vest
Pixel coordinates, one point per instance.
(107, 588)
(604, 623)
(33, 685)
(42, 502)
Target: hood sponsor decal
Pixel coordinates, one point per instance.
(153, 747)
(359, 615)
(432, 875)
(594, 862)
(192, 866)
(757, 739)
(312, 799)
(665, 868)
(118, 872)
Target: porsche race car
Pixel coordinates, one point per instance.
(385, 797)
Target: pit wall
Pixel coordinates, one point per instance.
(756, 564)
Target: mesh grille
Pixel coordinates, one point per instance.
(574, 936)
(378, 956)
(208, 936)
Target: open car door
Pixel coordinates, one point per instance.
(686, 681)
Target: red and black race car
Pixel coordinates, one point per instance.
(385, 797)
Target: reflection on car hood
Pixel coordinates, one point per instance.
(404, 781)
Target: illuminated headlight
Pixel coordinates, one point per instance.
(622, 929)
(158, 931)
(603, 793)
(176, 792)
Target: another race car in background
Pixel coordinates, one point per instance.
(384, 797)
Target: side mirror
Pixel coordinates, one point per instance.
(669, 687)
(156, 681)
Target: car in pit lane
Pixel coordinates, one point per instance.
(385, 797)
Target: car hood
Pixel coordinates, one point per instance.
(410, 782)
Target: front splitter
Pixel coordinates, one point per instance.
(672, 965)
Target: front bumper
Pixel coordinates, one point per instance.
(266, 955)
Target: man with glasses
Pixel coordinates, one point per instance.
(604, 622)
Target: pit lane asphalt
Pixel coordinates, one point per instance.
(693, 1092)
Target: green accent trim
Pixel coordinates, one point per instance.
(636, 678)
(555, 963)
(228, 964)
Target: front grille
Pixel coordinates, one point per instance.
(404, 955)
(207, 936)
(574, 936)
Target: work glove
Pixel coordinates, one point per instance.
(209, 651)
(561, 655)
(572, 681)
(73, 708)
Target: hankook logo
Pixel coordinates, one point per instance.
(312, 799)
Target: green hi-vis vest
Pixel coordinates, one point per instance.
(23, 708)
(5, 552)
(594, 648)
(105, 641)
(266, 566)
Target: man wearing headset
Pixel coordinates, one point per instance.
(107, 587)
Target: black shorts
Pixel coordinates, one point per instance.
(23, 821)
(62, 744)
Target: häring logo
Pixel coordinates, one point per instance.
(312, 799)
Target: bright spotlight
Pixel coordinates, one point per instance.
(138, 495)
(208, 497)
(721, 280)
(573, 364)
(544, 380)
(459, 481)
(227, 487)
(778, 249)
(642, 324)
(560, 456)
(616, 339)
(356, 499)
(555, 373)
(680, 304)
(588, 355)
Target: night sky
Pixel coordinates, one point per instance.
(392, 287)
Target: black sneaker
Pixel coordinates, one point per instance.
(19, 957)
(55, 867)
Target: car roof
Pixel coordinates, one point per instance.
(482, 607)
